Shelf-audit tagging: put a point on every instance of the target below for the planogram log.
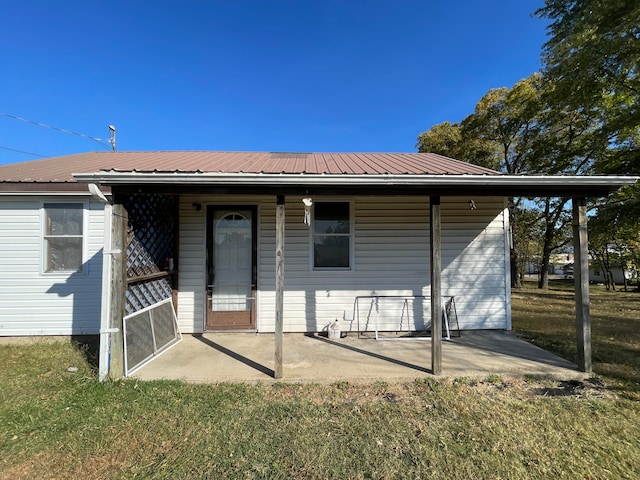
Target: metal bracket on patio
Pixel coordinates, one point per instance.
(383, 309)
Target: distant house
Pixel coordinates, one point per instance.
(596, 275)
(208, 230)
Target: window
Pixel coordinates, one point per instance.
(63, 228)
(332, 235)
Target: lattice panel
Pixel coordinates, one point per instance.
(143, 294)
(150, 234)
(151, 240)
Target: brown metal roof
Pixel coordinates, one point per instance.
(60, 169)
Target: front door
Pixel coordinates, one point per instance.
(231, 267)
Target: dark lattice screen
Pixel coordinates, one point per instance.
(151, 242)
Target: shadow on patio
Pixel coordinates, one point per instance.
(241, 357)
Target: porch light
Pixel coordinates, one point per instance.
(472, 205)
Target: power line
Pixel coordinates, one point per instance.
(99, 140)
(22, 151)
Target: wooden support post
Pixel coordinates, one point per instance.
(581, 282)
(280, 221)
(436, 285)
(117, 285)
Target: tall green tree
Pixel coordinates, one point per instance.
(592, 59)
(505, 123)
(496, 136)
(444, 139)
(514, 131)
(614, 239)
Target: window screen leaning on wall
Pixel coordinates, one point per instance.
(331, 235)
(63, 229)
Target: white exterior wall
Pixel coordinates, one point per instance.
(37, 303)
(391, 258)
(596, 274)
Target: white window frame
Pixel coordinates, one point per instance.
(43, 235)
(351, 235)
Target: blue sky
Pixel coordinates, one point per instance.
(263, 75)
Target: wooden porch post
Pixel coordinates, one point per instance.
(280, 220)
(581, 282)
(117, 286)
(436, 285)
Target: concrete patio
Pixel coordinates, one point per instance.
(244, 357)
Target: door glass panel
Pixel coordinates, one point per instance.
(232, 255)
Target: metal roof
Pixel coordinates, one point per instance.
(267, 172)
(60, 169)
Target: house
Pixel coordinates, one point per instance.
(367, 238)
(618, 275)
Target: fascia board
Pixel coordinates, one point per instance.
(154, 178)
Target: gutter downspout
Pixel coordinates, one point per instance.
(105, 331)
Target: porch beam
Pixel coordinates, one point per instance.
(303, 189)
(280, 221)
(581, 282)
(436, 284)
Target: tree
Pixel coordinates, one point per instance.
(527, 234)
(503, 126)
(592, 57)
(443, 139)
(515, 131)
(496, 136)
(614, 239)
(593, 60)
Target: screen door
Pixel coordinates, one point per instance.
(231, 252)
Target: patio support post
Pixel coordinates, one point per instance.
(581, 282)
(117, 286)
(436, 285)
(280, 220)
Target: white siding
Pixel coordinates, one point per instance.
(34, 303)
(391, 258)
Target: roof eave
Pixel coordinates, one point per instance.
(527, 183)
(41, 187)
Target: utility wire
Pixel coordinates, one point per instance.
(22, 151)
(99, 140)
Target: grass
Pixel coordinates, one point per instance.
(59, 424)
(547, 318)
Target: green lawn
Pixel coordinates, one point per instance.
(547, 318)
(60, 424)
